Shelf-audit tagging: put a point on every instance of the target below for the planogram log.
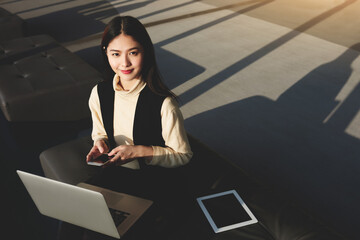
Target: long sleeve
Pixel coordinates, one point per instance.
(98, 131)
(177, 151)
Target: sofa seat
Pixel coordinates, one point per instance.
(40, 80)
(66, 162)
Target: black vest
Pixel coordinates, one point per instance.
(147, 128)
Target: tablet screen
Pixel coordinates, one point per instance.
(226, 211)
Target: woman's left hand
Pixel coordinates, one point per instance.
(126, 153)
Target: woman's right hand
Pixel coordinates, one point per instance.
(99, 148)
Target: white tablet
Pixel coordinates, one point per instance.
(226, 211)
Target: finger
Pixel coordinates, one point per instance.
(113, 152)
(94, 151)
(100, 147)
(114, 158)
(90, 156)
(105, 147)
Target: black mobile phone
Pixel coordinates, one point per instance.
(99, 161)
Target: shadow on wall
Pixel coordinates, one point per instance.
(93, 56)
(73, 22)
(78, 22)
(86, 19)
(293, 144)
(172, 68)
(253, 57)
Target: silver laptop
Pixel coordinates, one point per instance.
(98, 209)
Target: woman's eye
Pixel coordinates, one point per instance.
(133, 53)
(115, 54)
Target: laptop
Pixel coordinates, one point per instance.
(98, 209)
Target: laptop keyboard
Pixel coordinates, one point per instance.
(118, 216)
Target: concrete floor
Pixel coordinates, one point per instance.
(272, 85)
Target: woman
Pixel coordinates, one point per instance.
(129, 51)
(136, 119)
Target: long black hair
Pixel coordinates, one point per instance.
(133, 27)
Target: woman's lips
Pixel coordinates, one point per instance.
(126, 71)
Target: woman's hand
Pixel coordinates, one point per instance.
(127, 153)
(99, 148)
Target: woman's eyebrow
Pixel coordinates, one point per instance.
(134, 48)
(130, 49)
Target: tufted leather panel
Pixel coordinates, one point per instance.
(42, 81)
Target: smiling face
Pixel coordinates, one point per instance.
(125, 56)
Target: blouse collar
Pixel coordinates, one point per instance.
(135, 90)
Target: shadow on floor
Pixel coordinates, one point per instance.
(297, 143)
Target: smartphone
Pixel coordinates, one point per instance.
(99, 161)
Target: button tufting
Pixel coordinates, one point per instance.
(24, 75)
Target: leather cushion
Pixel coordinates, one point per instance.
(43, 81)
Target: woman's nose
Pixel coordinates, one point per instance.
(125, 61)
